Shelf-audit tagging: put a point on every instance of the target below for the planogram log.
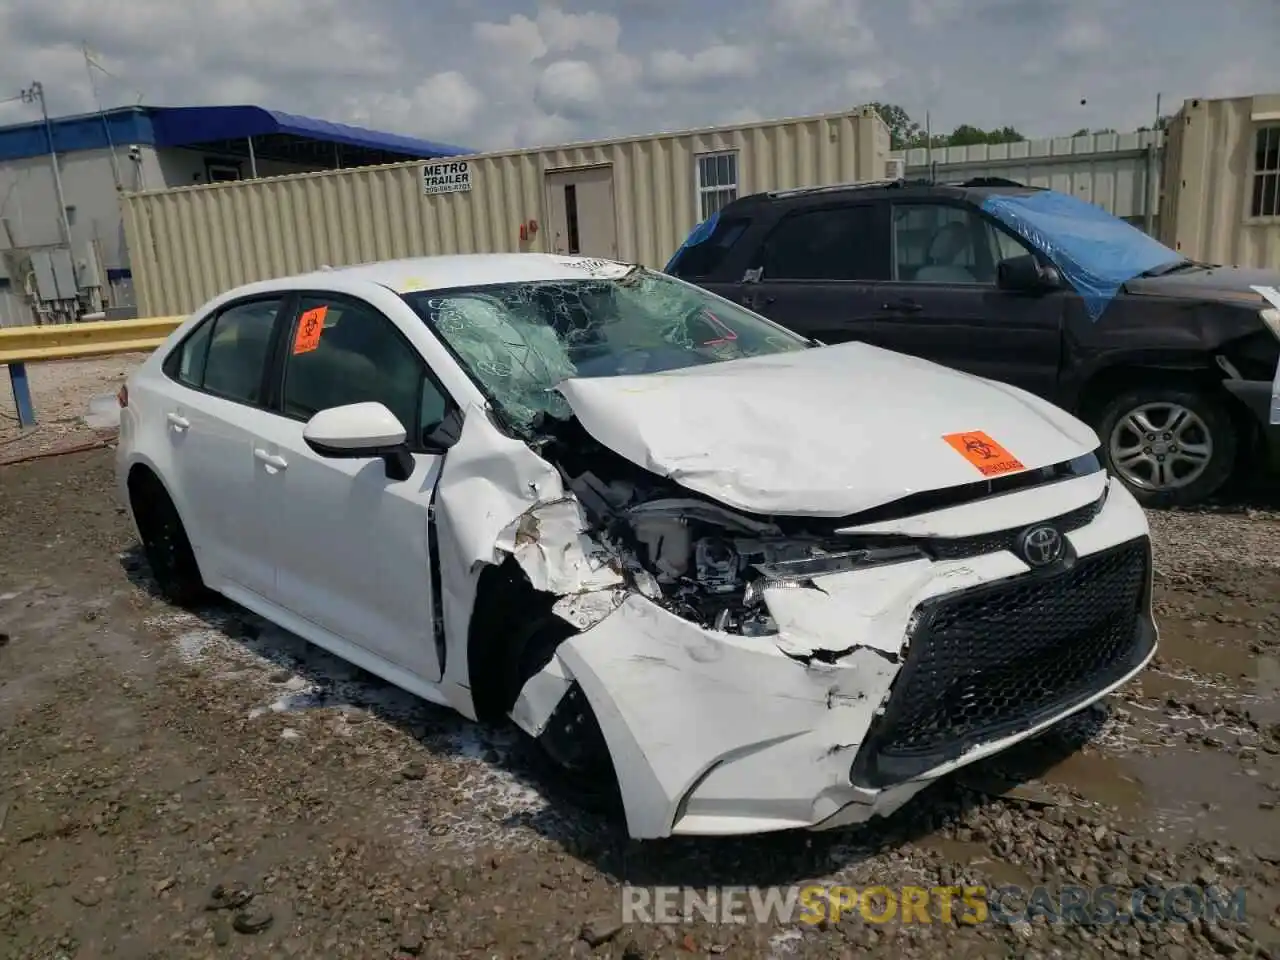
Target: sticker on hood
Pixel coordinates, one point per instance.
(985, 454)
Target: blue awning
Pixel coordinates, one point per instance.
(184, 126)
(191, 126)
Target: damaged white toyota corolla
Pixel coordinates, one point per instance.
(736, 580)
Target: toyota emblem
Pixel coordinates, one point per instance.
(1041, 546)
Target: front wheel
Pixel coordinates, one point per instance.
(1171, 446)
(572, 748)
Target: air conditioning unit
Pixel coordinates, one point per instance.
(895, 168)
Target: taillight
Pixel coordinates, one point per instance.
(122, 397)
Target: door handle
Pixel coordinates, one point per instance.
(902, 306)
(178, 422)
(270, 459)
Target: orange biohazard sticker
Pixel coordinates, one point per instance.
(310, 326)
(989, 457)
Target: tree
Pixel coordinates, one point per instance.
(906, 134)
(902, 130)
(1161, 123)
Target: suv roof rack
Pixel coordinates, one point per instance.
(993, 182)
(834, 188)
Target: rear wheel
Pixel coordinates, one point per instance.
(1171, 446)
(165, 543)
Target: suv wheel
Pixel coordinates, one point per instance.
(1170, 446)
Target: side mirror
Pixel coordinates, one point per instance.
(1025, 274)
(361, 431)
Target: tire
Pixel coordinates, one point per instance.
(166, 546)
(571, 751)
(1176, 467)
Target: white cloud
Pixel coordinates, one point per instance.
(495, 73)
(717, 62)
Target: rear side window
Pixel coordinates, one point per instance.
(705, 258)
(835, 243)
(227, 354)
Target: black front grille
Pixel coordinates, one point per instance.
(989, 662)
(960, 548)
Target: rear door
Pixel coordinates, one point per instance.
(211, 417)
(943, 304)
(816, 271)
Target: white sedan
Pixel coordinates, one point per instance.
(726, 578)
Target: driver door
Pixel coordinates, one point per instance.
(943, 303)
(352, 547)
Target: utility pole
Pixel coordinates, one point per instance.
(35, 94)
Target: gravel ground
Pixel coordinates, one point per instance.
(149, 756)
(61, 393)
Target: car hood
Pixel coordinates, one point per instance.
(828, 432)
(1224, 284)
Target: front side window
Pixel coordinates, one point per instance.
(227, 354)
(344, 351)
(836, 243)
(519, 340)
(940, 243)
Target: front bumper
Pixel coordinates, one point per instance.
(934, 664)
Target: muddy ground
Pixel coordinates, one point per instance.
(148, 755)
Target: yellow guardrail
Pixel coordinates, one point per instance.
(63, 341)
(68, 341)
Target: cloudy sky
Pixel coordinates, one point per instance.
(492, 73)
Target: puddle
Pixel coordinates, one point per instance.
(977, 855)
(1101, 779)
(1184, 644)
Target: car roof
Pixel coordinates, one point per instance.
(975, 190)
(416, 274)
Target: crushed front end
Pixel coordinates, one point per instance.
(751, 673)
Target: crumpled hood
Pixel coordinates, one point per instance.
(824, 432)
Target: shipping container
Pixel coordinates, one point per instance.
(1222, 181)
(634, 198)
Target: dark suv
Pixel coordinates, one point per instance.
(1174, 363)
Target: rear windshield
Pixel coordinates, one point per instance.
(519, 340)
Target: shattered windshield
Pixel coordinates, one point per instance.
(521, 339)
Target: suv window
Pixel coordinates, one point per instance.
(226, 355)
(344, 351)
(834, 243)
(945, 243)
(703, 259)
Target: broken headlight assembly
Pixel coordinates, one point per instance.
(712, 566)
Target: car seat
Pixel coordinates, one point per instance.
(951, 240)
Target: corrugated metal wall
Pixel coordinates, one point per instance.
(1113, 170)
(187, 245)
(1209, 179)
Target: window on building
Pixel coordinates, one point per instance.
(1266, 173)
(717, 182)
(222, 172)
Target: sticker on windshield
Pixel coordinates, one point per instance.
(310, 326)
(989, 457)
